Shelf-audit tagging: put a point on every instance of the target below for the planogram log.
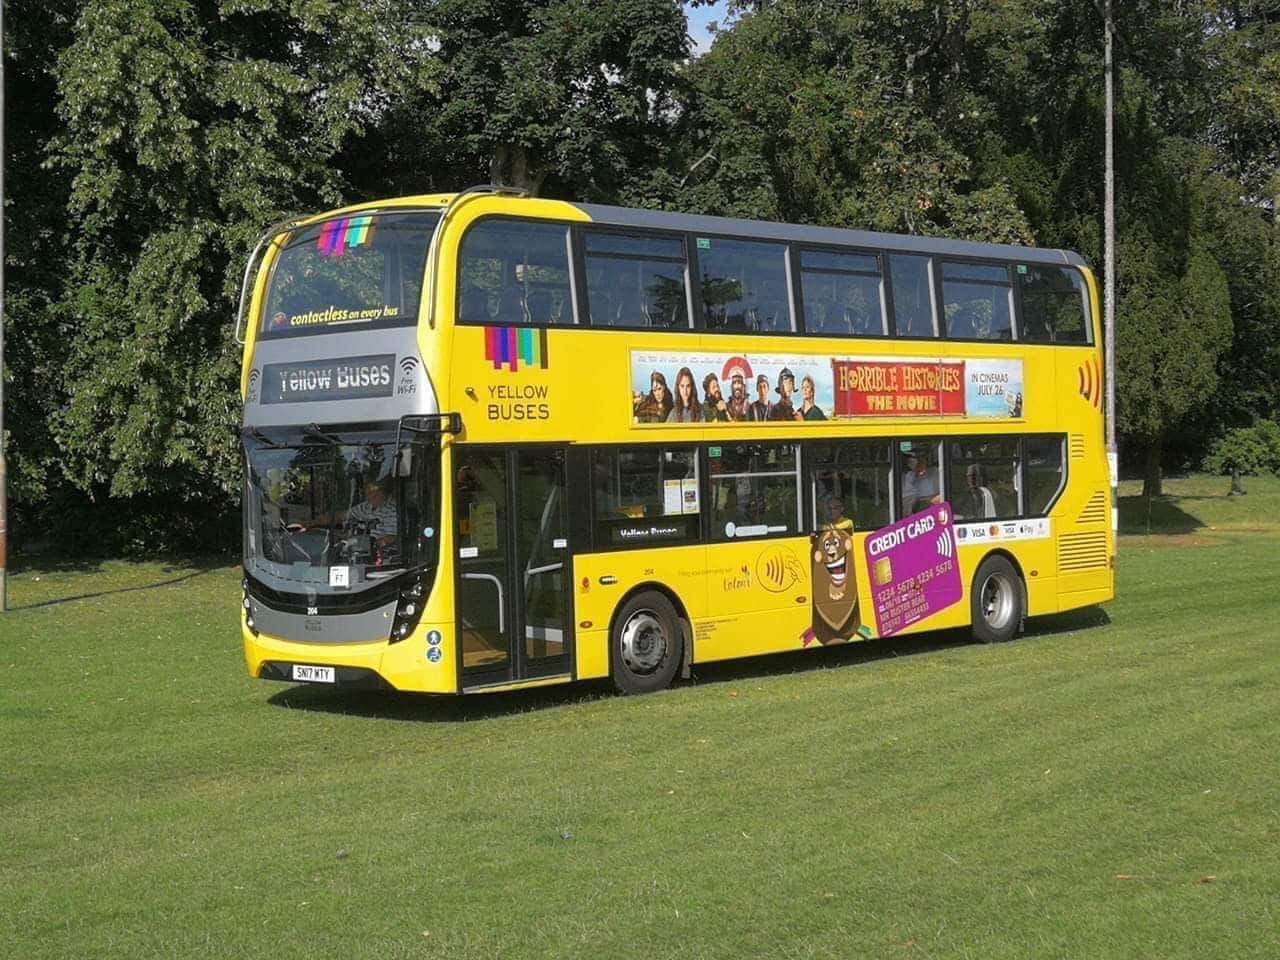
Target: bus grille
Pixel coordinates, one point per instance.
(1082, 551)
(1077, 446)
(1095, 511)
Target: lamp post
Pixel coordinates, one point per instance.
(1109, 280)
(4, 479)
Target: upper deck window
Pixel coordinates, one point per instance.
(911, 280)
(841, 293)
(744, 285)
(1055, 307)
(977, 301)
(515, 271)
(362, 271)
(635, 279)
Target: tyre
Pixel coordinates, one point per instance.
(646, 644)
(997, 601)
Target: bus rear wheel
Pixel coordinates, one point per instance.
(997, 601)
(647, 644)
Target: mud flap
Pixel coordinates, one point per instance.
(686, 657)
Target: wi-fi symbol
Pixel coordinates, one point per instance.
(253, 378)
(408, 365)
(1090, 382)
(944, 544)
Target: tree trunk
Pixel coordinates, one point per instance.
(509, 166)
(1151, 480)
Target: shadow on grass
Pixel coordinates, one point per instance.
(202, 569)
(427, 708)
(1165, 517)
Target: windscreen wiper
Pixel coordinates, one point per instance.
(313, 430)
(263, 439)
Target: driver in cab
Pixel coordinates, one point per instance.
(376, 509)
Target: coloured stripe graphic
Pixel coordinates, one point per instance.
(515, 346)
(343, 234)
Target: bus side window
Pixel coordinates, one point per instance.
(982, 478)
(633, 485)
(841, 293)
(1044, 472)
(851, 484)
(635, 280)
(754, 490)
(1055, 304)
(744, 284)
(977, 301)
(912, 286)
(520, 266)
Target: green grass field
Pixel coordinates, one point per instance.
(1106, 786)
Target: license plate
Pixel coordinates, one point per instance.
(301, 671)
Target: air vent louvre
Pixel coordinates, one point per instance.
(1095, 511)
(1077, 446)
(1082, 551)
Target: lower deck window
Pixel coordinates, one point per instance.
(983, 478)
(1044, 472)
(851, 484)
(645, 496)
(754, 491)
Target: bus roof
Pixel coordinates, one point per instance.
(731, 226)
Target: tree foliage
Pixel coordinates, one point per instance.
(151, 140)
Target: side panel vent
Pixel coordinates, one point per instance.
(1095, 511)
(1077, 446)
(1082, 551)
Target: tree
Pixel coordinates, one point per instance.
(861, 115)
(187, 127)
(1174, 302)
(36, 245)
(572, 96)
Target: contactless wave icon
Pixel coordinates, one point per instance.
(944, 545)
(1090, 382)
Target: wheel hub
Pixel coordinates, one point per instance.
(644, 642)
(997, 601)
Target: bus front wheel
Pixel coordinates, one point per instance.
(997, 601)
(647, 644)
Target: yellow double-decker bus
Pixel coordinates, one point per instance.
(492, 441)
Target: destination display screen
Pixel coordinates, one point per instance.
(344, 378)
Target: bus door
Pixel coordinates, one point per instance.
(514, 620)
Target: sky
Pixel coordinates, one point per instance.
(698, 20)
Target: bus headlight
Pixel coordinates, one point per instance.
(408, 610)
(247, 604)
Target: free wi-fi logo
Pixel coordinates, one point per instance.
(254, 377)
(1090, 380)
(408, 384)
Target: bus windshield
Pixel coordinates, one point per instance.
(337, 512)
(361, 271)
